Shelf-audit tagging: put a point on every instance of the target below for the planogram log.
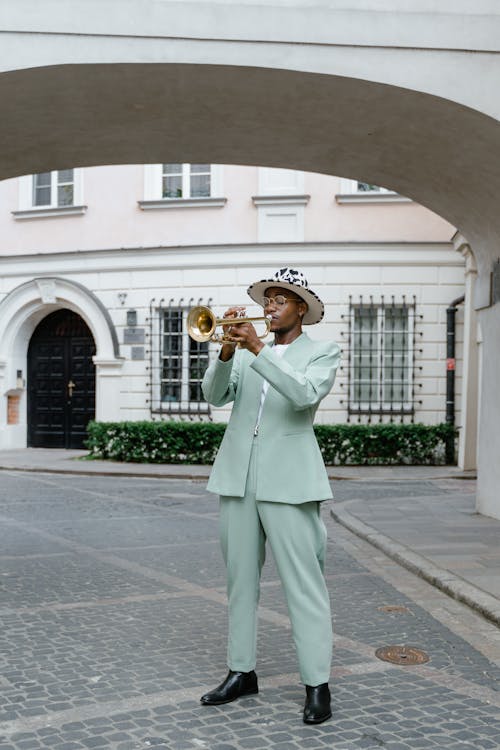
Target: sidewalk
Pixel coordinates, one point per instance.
(60, 461)
(433, 531)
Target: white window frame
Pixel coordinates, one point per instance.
(378, 405)
(350, 193)
(27, 208)
(153, 184)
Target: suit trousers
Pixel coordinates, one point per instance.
(297, 537)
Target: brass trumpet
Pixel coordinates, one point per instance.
(201, 324)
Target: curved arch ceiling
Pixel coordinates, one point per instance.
(433, 150)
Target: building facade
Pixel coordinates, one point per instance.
(100, 266)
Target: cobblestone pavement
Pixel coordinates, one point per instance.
(113, 624)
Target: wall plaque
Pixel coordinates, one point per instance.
(133, 335)
(137, 352)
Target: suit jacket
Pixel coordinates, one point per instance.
(290, 468)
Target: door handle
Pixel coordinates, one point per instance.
(71, 386)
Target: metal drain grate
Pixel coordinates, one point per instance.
(405, 655)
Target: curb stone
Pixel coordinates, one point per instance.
(448, 582)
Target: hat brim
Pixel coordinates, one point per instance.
(315, 307)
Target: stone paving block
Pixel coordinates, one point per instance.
(123, 653)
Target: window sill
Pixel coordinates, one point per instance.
(372, 198)
(48, 213)
(281, 200)
(162, 203)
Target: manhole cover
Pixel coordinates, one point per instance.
(402, 655)
(394, 608)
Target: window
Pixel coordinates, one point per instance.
(381, 371)
(47, 194)
(365, 187)
(355, 191)
(54, 189)
(186, 181)
(174, 186)
(178, 364)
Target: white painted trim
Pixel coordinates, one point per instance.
(280, 222)
(161, 203)
(49, 213)
(281, 200)
(396, 254)
(372, 198)
(152, 182)
(274, 181)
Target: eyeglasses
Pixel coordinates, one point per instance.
(280, 300)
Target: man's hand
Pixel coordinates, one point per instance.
(239, 334)
(228, 347)
(245, 336)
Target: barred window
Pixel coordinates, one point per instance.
(381, 356)
(178, 364)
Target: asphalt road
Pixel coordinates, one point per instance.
(113, 617)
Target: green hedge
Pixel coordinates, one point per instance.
(197, 442)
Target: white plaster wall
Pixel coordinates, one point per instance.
(434, 274)
(325, 219)
(114, 219)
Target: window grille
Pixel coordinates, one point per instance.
(177, 363)
(381, 359)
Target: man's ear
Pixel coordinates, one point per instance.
(303, 307)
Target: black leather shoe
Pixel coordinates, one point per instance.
(317, 707)
(234, 686)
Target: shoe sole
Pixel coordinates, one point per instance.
(230, 700)
(318, 721)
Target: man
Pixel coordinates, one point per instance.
(271, 478)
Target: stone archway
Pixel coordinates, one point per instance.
(20, 313)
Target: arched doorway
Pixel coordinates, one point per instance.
(61, 381)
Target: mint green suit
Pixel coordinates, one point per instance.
(271, 485)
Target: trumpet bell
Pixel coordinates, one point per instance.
(201, 323)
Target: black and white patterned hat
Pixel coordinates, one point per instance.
(295, 281)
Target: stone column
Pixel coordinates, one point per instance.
(467, 444)
(488, 461)
(107, 383)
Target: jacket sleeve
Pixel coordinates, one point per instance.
(302, 389)
(220, 381)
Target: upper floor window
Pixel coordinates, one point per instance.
(366, 187)
(186, 181)
(355, 191)
(54, 188)
(182, 186)
(56, 193)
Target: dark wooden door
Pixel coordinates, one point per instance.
(61, 381)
